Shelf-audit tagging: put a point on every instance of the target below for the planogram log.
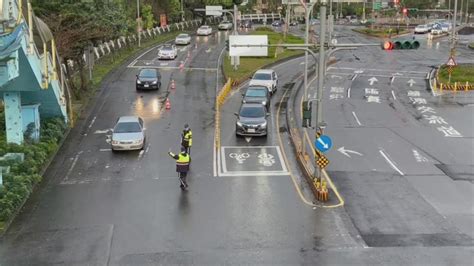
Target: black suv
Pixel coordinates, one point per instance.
(257, 94)
(148, 79)
(251, 120)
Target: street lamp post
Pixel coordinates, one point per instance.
(182, 11)
(138, 23)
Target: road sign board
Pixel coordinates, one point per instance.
(377, 5)
(242, 40)
(214, 11)
(323, 143)
(451, 62)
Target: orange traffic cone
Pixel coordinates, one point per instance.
(167, 104)
(173, 85)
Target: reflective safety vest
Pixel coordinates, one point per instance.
(182, 163)
(188, 138)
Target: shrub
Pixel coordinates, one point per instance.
(23, 176)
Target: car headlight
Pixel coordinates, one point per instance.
(138, 141)
(263, 125)
(115, 142)
(138, 81)
(239, 124)
(244, 101)
(264, 103)
(154, 82)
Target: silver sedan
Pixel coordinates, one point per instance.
(128, 134)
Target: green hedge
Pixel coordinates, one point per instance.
(23, 176)
(471, 45)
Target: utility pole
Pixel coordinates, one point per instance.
(363, 11)
(467, 11)
(461, 13)
(321, 70)
(138, 23)
(454, 27)
(182, 11)
(236, 60)
(308, 10)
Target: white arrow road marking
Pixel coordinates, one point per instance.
(325, 145)
(397, 74)
(372, 80)
(346, 152)
(360, 71)
(163, 64)
(208, 50)
(392, 79)
(102, 131)
(248, 139)
(336, 76)
(411, 82)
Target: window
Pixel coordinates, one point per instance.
(127, 127)
(148, 73)
(256, 93)
(262, 76)
(252, 112)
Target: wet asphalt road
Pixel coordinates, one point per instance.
(99, 208)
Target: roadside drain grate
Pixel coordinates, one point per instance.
(424, 240)
(283, 129)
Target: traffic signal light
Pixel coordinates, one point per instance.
(401, 44)
(405, 11)
(227, 45)
(307, 110)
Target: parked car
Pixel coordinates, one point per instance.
(167, 51)
(148, 79)
(128, 134)
(277, 23)
(446, 27)
(314, 21)
(257, 94)
(204, 30)
(294, 23)
(247, 24)
(267, 78)
(251, 120)
(183, 38)
(225, 25)
(423, 28)
(436, 29)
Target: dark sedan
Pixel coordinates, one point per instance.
(148, 79)
(251, 120)
(257, 94)
(246, 24)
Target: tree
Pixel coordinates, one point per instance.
(148, 18)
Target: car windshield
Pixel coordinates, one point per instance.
(256, 93)
(127, 127)
(262, 76)
(148, 73)
(167, 48)
(252, 111)
(183, 36)
(204, 27)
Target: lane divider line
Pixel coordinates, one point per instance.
(391, 163)
(349, 93)
(356, 118)
(394, 97)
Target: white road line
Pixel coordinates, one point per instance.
(380, 70)
(92, 122)
(140, 154)
(391, 163)
(74, 162)
(105, 150)
(349, 93)
(354, 77)
(140, 56)
(356, 118)
(394, 97)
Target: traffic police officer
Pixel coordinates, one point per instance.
(182, 165)
(187, 138)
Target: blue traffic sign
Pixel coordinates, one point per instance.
(323, 143)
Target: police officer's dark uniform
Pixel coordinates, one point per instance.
(182, 165)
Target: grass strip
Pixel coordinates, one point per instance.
(461, 73)
(381, 32)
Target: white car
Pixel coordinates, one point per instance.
(183, 38)
(267, 78)
(225, 25)
(204, 30)
(167, 51)
(422, 29)
(446, 27)
(436, 30)
(128, 134)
